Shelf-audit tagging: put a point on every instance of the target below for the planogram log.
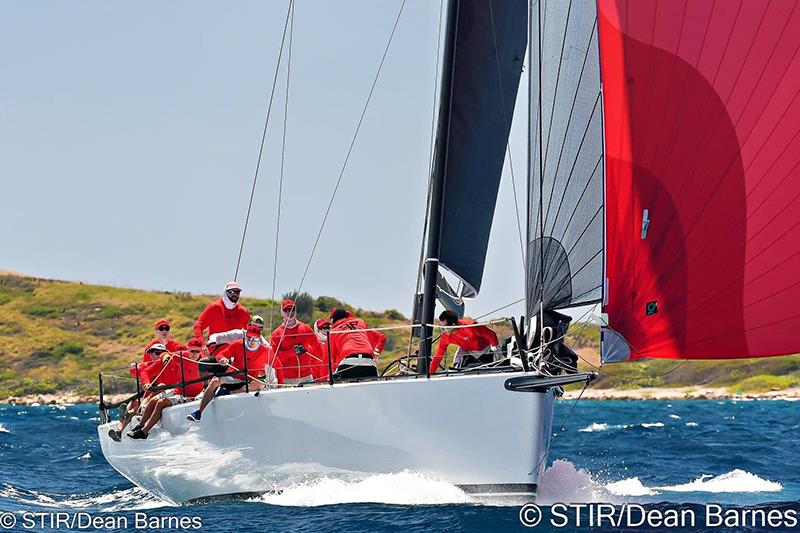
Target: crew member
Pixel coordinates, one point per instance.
(227, 337)
(163, 336)
(224, 314)
(178, 368)
(352, 352)
(476, 343)
(376, 338)
(297, 347)
(250, 353)
(144, 372)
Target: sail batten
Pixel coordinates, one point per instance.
(702, 167)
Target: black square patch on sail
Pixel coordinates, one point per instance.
(651, 308)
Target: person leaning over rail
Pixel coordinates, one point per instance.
(352, 351)
(296, 346)
(178, 368)
(262, 369)
(224, 314)
(477, 344)
(162, 336)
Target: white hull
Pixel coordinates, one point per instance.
(467, 430)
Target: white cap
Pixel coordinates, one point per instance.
(157, 347)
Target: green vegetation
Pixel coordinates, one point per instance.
(56, 336)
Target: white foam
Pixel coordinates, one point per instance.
(3, 429)
(692, 424)
(87, 455)
(652, 424)
(563, 483)
(675, 416)
(403, 488)
(629, 487)
(734, 481)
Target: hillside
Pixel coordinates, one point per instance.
(57, 335)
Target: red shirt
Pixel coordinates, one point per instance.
(347, 339)
(473, 339)
(257, 360)
(283, 341)
(171, 374)
(218, 318)
(172, 346)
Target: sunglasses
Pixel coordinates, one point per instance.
(288, 310)
(233, 291)
(195, 351)
(163, 328)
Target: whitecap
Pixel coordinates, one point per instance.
(594, 426)
(675, 417)
(692, 424)
(652, 424)
(734, 481)
(403, 488)
(87, 455)
(629, 487)
(3, 429)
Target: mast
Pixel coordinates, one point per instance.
(431, 264)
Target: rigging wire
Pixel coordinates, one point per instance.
(506, 122)
(350, 149)
(280, 176)
(263, 141)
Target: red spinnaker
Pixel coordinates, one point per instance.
(702, 115)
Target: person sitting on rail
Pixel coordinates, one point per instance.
(296, 346)
(142, 372)
(249, 354)
(476, 343)
(163, 336)
(224, 314)
(352, 351)
(180, 368)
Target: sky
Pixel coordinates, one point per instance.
(129, 134)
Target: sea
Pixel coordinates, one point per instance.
(730, 465)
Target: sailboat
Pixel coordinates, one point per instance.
(663, 186)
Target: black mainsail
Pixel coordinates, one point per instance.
(484, 50)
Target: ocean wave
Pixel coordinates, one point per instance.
(734, 481)
(129, 499)
(403, 488)
(652, 424)
(594, 426)
(87, 455)
(692, 424)
(3, 429)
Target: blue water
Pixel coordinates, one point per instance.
(680, 454)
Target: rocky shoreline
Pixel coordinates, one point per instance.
(645, 393)
(680, 393)
(67, 398)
